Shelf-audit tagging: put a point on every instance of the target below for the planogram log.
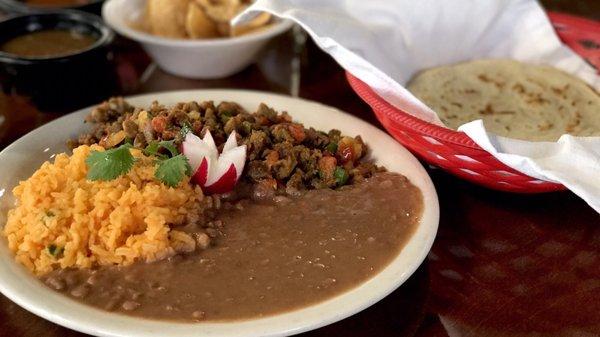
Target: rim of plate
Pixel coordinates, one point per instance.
(19, 285)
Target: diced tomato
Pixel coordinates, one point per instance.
(297, 131)
(159, 123)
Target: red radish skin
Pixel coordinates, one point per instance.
(225, 184)
(201, 174)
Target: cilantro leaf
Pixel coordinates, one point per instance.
(170, 146)
(171, 171)
(154, 147)
(109, 164)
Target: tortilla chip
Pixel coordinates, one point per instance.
(221, 10)
(168, 17)
(198, 25)
(224, 28)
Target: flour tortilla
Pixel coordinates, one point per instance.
(516, 100)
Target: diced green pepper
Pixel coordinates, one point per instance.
(225, 116)
(54, 250)
(340, 175)
(332, 147)
(187, 127)
(247, 127)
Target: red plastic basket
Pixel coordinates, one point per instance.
(457, 153)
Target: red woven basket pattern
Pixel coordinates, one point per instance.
(457, 153)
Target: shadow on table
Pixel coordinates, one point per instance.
(515, 265)
(399, 314)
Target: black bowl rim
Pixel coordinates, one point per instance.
(24, 8)
(106, 35)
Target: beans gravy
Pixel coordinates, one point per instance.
(268, 258)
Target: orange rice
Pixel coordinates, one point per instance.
(86, 223)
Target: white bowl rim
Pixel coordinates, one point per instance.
(279, 26)
(35, 297)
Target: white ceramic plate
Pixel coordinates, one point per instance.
(23, 157)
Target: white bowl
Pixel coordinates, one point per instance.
(198, 58)
(23, 157)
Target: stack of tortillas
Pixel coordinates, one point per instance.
(517, 100)
(196, 19)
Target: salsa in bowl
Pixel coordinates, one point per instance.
(37, 50)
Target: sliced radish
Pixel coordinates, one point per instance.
(201, 175)
(225, 183)
(213, 172)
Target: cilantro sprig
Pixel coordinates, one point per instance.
(109, 164)
(171, 168)
(153, 149)
(171, 171)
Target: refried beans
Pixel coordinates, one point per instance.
(266, 258)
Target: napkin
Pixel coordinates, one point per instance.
(386, 42)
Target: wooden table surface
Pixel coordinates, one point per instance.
(502, 264)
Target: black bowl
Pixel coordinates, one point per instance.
(62, 82)
(20, 7)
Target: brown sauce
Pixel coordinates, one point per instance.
(269, 257)
(46, 43)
